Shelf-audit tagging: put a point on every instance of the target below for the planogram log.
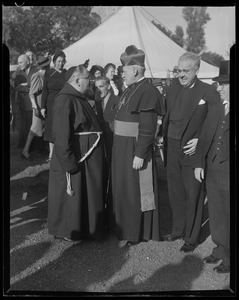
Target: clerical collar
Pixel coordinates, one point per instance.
(190, 86)
(140, 79)
(136, 82)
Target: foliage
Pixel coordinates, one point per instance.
(74, 22)
(177, 37)
(46, 28)
(229, 48)
(196, 18)
(212, 58)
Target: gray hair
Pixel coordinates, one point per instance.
(140, 69)
(104, 78)
(79, 72)
(191, 56)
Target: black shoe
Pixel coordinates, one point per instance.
(25, 156)
(188, 247)
(211, 259)
(132, 243)
(172, 237)
(65, 239)
(222, 269)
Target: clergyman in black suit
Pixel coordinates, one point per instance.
(106, 105)
(188, 106)
(212, 163)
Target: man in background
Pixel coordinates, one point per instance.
(32, 57)
(106, 106)
(212, 160)
(22, 81)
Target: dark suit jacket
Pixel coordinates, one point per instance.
(107, 120)
(203, 100)
(204, 147)
(107, 117)
(23, 91)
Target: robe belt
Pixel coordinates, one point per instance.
(147, 199)
(68, 175)
(126, 128)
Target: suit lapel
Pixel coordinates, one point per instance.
(227, 122)
(211, 127)
(195, 96)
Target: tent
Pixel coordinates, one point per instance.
(129, 26)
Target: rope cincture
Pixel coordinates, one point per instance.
(69, 189)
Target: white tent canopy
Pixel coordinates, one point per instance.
(127, 27)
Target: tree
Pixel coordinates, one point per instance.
(45, 28)
(74, 22)
(212, 58)
(196, 17)
(229, 49)
(96, 17)
(29, 29)
(179, 36)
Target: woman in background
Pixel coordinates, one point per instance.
(54, 82)
(35, 95)
(96, 71)
(110, 73)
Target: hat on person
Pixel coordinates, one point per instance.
(70, 72)
(133, 56)
(57, 54)
(224, 72)
(43, 61)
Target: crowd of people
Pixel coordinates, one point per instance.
(101, 128)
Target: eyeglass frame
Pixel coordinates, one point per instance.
(178, 71)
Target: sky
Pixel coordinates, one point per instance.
(219, 31)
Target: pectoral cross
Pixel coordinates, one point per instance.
(122, 102)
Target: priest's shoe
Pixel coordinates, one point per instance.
(211, 259)
(130, 243)
(222, 269)
(171, 237)
(188, 247)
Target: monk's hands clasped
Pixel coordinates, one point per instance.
(138, 163)
(191, 147)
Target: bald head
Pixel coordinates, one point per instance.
(23, 62)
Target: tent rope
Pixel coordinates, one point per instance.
(142, 43)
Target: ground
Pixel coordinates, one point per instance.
(40, 265)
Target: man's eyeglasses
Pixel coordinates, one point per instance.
(186, 71)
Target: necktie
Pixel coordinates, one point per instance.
(226, 107)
